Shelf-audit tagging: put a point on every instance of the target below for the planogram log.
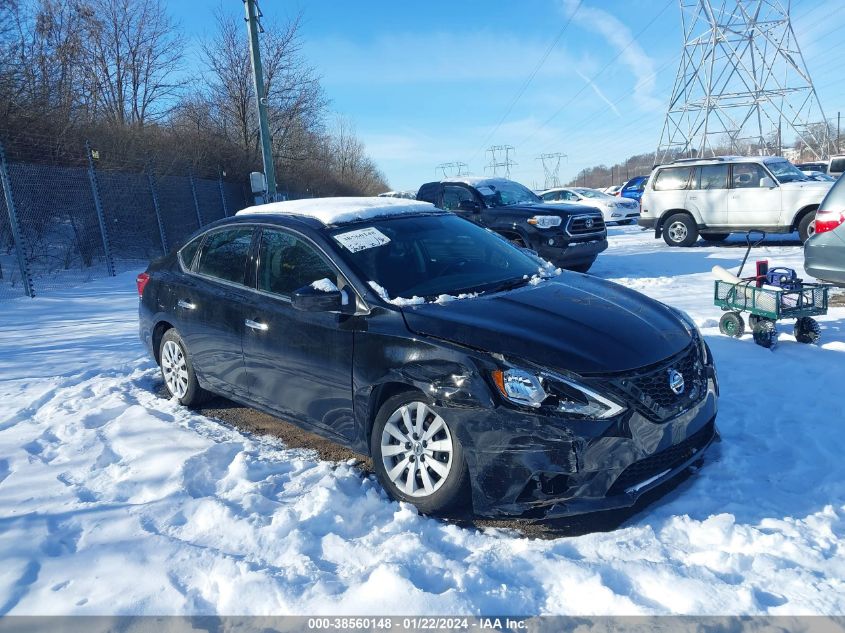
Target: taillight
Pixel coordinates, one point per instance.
(828, 220)
(142, 280)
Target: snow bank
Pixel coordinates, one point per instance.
(115, 501)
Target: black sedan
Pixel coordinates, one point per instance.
(470, 370)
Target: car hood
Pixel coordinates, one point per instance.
(812, 185)
(572, 322)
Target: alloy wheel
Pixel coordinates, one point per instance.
(677, 231)
(174, 368)
(417, 450)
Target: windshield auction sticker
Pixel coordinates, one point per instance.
(362, 239)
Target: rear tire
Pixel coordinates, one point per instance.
(714, 237)
(765, 333)
(406, 462)
(807, 331)
(807, 226)
(731, 324)
(680, 230)
(178, 372)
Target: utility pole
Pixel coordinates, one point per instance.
(551, 169)
(253, 15)
(838, 117)
(496, 159)
(741, 75)
(455, 169)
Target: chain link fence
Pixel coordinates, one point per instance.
(72, 213)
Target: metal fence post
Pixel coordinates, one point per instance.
(151, 180)
(222, 192)
(194, 194)
(17, 236)
(95, 192)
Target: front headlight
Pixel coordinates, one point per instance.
(545, 221)
(554, 393)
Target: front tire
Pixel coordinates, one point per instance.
(680, 230)
(416, 455)
(177, 371)
(731, 324)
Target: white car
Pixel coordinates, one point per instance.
(613, 208)
(818, 175)
(714, 197)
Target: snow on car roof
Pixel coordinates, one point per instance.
(341, 210)
(475, 181)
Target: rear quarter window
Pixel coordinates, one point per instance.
(672, 179)
(187, 252)
(837, 165)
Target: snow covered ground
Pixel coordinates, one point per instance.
(114, 501)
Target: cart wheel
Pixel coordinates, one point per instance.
(753, 320)
(765, 333)
(731, 324)
(807, 330)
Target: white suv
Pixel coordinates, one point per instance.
(714, 197)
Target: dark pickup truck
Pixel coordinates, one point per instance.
(568, 235)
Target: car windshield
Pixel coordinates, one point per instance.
(432, 255)
(505, 193)
(785, 171)
(591, 193)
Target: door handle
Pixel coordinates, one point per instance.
(182, 303)
(255, 325)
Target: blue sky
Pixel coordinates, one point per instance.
(429, 82)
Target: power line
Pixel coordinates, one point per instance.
(528, 80)
(597, 75)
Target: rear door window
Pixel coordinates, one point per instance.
(454, 195)
(224, 254)
(672, 179)
(712, 177)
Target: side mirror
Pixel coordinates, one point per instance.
(469, 205)
(310, 299)
(767, 182)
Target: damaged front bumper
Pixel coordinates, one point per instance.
(525, 465)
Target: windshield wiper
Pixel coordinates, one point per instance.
(511, 284)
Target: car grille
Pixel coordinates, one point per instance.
(585, 224)
(651, 389)
(672, 457)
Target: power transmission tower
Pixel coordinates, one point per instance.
(500, 156)
(742, 78)
(253, 15)
(455, 169)
(551, 168)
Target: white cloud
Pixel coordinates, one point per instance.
(598, 92)
(620, 38)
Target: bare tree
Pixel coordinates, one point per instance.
(135, 54)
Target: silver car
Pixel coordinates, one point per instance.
(824, 252)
